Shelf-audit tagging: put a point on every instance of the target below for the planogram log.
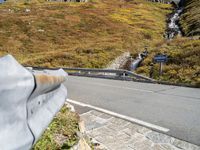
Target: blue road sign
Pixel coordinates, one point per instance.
(160, 58)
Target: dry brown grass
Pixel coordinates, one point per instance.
(183, 65)
(93, 34)
(190, 20)
(78, 35)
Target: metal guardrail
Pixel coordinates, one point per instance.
(29, 101)
(119, 74)
(102, 73)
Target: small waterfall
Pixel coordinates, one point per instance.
(173, 25)
(136, 63)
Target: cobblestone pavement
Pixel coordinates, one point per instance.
(116, 134)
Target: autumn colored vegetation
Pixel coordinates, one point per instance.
(190, 20)
(78, 34)
(183, 52)
(92, 34)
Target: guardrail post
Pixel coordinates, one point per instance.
(124, 75)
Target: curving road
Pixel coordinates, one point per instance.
(174, 108)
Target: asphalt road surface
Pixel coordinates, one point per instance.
(171, 107)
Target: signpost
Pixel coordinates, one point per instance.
(160, 59)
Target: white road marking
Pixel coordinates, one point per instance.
(143, 123)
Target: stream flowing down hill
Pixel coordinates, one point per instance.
(173, 25)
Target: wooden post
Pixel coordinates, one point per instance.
(161, 68)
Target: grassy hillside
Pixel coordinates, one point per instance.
(190, 20)
(93, 34)
(79, 34)
(184, 53)
(184, 61)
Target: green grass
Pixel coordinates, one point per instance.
(61, 133)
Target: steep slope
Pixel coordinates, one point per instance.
(79, 34)
(93, 34)
(183, 52)
(190, 20)
(183, 65)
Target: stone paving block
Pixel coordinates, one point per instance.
(138, 136)
(158, 147)
(100, 120)
(97, 145)
(92, 125)
(102, 131)
(92, 122)
(117, 127)
(143, 145)
(129, 131)
(96, 113)
(118, 140)
(159, 137)
(106, 139)
(169, 147)
(123, 137)
(144, 130)
(134, 126)
(118, 121)
(135, 138)
(119, 146)
(87, 117)
(185, 145)
(108, 131)
(105, 116)
(93, 133)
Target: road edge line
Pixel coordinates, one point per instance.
(131, 119)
